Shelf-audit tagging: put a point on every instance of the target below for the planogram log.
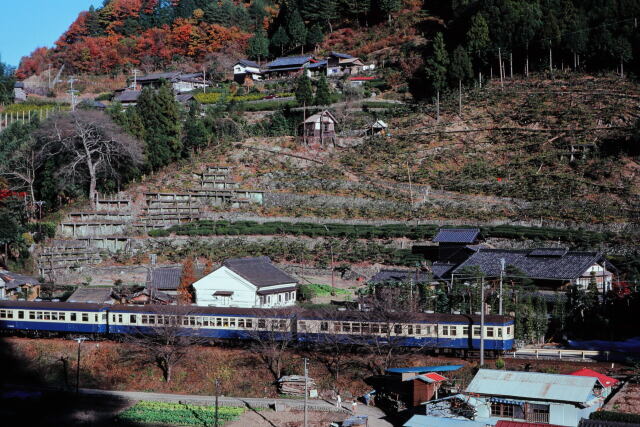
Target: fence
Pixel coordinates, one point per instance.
(25, 116)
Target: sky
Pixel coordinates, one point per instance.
(28, 24)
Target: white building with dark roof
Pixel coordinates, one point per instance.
(246, 282)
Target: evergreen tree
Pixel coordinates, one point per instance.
(304, 91)
(436, 69)
(323, 93)
(320, 11)
(280, 40)
(7, 81)
(387, 7)
(478, 38)
(160, 117)
(92, 23)
(258, 45)
(240, 17)
(296, 29)
(257, 13)
(314, 36)
(185, 8)
(195, 136)
(460, 69)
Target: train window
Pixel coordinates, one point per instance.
(47, 315)
(10, 314)
(119, 318)
(445, 330)
(375, 328)
(54, 316)
(489, 332)
(192, 321)
(74, 317)
(476, 331)
(20, 314)
(152, 320)
(453, 330)
(225, 322)
(85, 317)
(384, 328)
(499, 332)
(283, 325)
(218, 321)
(3, 314)
(160, 320)
(95, 317)
(145, 320)
(397, 329)
(232, 322)
(185, 321)
(409, 329)
(355, 327)
(418, 330)
(113, 318)
(336, 326)
(104, 316)
(465, 331)
(346, 327)
(324, 326)
(262, 323)
(32, 315)
(132, 318)
(205, 321)
(302, 325)
(508, 330)
(249, 323)
(427, 330)
(365, 328)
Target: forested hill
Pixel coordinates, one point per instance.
(154, 34)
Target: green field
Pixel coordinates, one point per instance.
(178, 414)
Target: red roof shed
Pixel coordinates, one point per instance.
(603, 379)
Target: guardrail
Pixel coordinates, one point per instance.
(548, 353)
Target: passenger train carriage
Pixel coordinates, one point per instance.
(430, 331)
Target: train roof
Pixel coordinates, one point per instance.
(52, 305)
(195, 310)
(352, 315)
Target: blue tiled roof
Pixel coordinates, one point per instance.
(422, 369)
(341, 55)
(318, 64)
(442, 270)
(248, 63)
(289, 61)
(571, 265)
(457, 235)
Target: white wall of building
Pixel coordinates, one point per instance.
(597, 272)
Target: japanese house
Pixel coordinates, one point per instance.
(340, 64)
(245, 69)
(18, 286)
(319, 128)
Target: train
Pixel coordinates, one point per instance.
(448, 333)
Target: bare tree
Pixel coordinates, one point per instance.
(22, 166)
(165, 337)
(271, 337)
(91, 145)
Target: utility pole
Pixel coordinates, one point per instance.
(306, 392)
(502, 263)
(204, 79)
(550, 58)
(438, 106)
(72, 92)
(215, 420)
(333, 272)
(460, 98)
(79, 340)
(500, 67)
(481, 321)
(511, 65)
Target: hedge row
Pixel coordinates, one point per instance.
(615, 416)
(414, 232)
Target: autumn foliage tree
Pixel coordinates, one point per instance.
(185, 295)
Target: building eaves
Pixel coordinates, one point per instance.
(457, 235)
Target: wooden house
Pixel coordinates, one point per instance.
(18, 286)
(245, 69)
(319, 128)
(340, 64)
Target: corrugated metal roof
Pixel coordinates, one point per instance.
(532, 385)
(570, 266)
(91, 295)
(503, 423)
(422, 369)
(318, 64)
(430, 421)
(158, 76)
(457, 235)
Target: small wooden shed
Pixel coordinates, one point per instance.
(319, 128)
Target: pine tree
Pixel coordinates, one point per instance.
(478, 38)
(257, 13)
(258, 45)
(304, 91)
(280, 40)
(323, 93)
(314, 36)
(160, 117)
(436, 68)
(296, 29)
(188, 277)
(460, 71)
(389, 6)
(195, 132)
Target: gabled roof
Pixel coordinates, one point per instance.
(400, 276)
(259, 271)
(325, 116)
(457, 235)
(91, 295)
(248, 63)
(442, 270)
(127, 96)
(341, 55)
(603, 379)
(158, 76)
(532, 385)
(569, 266)
(318, 64)
(164, 278)
(379, 124)
(289, 61)
(184, 97)
(14, 280)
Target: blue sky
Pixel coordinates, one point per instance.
(28, 24)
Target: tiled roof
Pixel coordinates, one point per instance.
(318, 64)
(457, 235)
(248, 63)
(532, 385)
(127, 96)
(158, 76)
(289, 61)
(13, 280)
(442, 270)
(400, 276)
(165, 278)
(184, 97)
(569, 266)
(341, 55)
(91, 295)
(604, 380)
(259, 271)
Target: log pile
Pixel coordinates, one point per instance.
(294, 385)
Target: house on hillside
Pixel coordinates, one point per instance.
(164, 279)
(290, 66)
(319, 128)
(245, 69)
(126, 97)
(549, 268)
(15, 286)
(19, 93)
(340, 64)
(246, 282)
(180, 82)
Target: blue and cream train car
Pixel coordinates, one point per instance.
(53, 317)
(435, 331)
